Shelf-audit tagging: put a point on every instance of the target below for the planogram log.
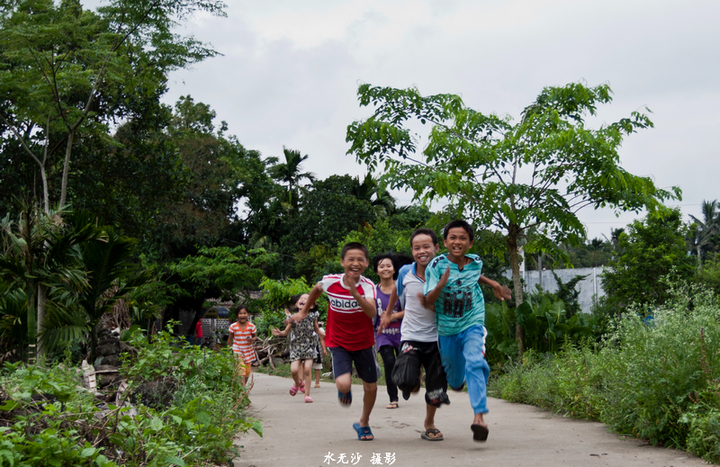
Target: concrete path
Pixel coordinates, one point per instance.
(297, 434)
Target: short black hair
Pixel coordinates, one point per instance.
(424, 231)
(355, 246)
(459, 223)
(241, 307)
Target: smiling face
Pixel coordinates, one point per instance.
(423, 249)
(242, 316)
(458, 243)
(385, 269)
(354, 263)
(302, 301)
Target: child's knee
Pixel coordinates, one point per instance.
(343, 383)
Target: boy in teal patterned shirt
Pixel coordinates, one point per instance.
(453, 286)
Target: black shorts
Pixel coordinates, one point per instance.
(406, 374)
(364, 363)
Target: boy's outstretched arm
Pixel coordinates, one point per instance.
(501, 292)
(312, 298)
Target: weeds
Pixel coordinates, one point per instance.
(653, 379)
(47, 418)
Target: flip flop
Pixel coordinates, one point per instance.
(392, 405)
(345, 398)
(438, 436)
(480, 433)
(363, 432)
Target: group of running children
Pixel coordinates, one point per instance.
(435, 306)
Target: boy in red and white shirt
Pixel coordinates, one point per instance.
(242, 335)
(349, 334)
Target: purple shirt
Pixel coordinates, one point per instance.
(391, 334)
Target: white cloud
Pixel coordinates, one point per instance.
(290, 72)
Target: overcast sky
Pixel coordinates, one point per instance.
(290, 70)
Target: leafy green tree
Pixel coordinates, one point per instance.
(67, 73)
(213, 176)
(328, 211)
(410, 217)
(709, 274)
(224, 272)
(533, 174)
(653, 248)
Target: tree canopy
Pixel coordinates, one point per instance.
(534, 174)
(67, 74)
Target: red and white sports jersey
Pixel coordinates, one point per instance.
(347, 324)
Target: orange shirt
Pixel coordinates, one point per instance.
(241, 345)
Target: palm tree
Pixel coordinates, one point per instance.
(41, 252)
(110, 277)
(704, 231)
(382, 201)
(290, 173)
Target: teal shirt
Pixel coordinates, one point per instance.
(461, 303)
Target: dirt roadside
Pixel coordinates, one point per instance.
(297, 434)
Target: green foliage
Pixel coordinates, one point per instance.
(709, 274)
(49, 413)
(42, 255)
(276, 299)
(50, 420)
(227, 270)
(652, 249)
(704, 235)
(654, 379)
(548, 326)
(328, 212)
(568, 293)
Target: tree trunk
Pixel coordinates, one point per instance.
(66, 169)
(31, 325)
(699, 255)
(40, 317)
(46, 195)
(513, 234)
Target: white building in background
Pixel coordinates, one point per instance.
(590, 288)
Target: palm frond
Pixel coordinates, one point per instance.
(63, 325)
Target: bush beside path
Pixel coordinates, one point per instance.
(302, 435)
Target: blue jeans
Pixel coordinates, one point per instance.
(463, 358)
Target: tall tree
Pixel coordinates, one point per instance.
(290, 173)
(533, 174)
(704, 231)
(652, 248)
(67, 73)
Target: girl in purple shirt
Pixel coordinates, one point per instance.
(387, 341)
